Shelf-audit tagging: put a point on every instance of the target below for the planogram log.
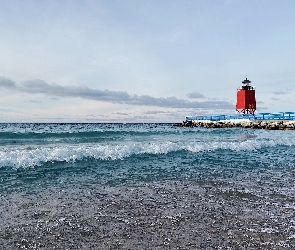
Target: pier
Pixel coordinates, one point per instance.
(260, 116)
(245, 116)
(270, 121)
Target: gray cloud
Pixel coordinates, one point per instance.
(195, 95)
(263, 108)
(259, 102)
(280, 92)
(95, 116)
(118, 97)
(6, 82)
(33, 101)
(120, 113)
(154, 112)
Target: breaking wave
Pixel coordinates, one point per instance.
(30, 156)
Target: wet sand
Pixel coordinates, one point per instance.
(171, 215)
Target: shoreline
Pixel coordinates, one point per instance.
(159, 215)
(253, 124)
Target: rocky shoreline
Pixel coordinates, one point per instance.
(254, 124)
(166, 215)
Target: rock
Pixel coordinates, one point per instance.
(269, 125)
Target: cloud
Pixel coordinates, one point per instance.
(95, 116)
(6, 82)
(195, 95)
(55, 90)
(263, 108)
(121, 113)
(154, 112)
(259, 102)
(118, 97)
(33, 101)
(280, 93)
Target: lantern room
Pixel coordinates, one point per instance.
(246, 101)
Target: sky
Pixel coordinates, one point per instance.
(143, 61)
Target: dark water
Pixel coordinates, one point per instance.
(145, 186)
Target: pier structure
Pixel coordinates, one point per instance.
(289, 115)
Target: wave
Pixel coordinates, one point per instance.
(30, 156)
(77, 136)
(52, 128)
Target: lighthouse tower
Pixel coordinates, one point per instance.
(246, 102)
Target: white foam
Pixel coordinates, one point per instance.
(35, 156)
(28, 157)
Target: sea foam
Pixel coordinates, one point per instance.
(37, 155)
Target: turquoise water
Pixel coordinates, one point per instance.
(42, 164)
(34, 155)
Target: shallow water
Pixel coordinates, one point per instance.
(145, 186)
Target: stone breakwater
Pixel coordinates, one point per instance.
(254, 124)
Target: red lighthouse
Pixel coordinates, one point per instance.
(246, 102)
